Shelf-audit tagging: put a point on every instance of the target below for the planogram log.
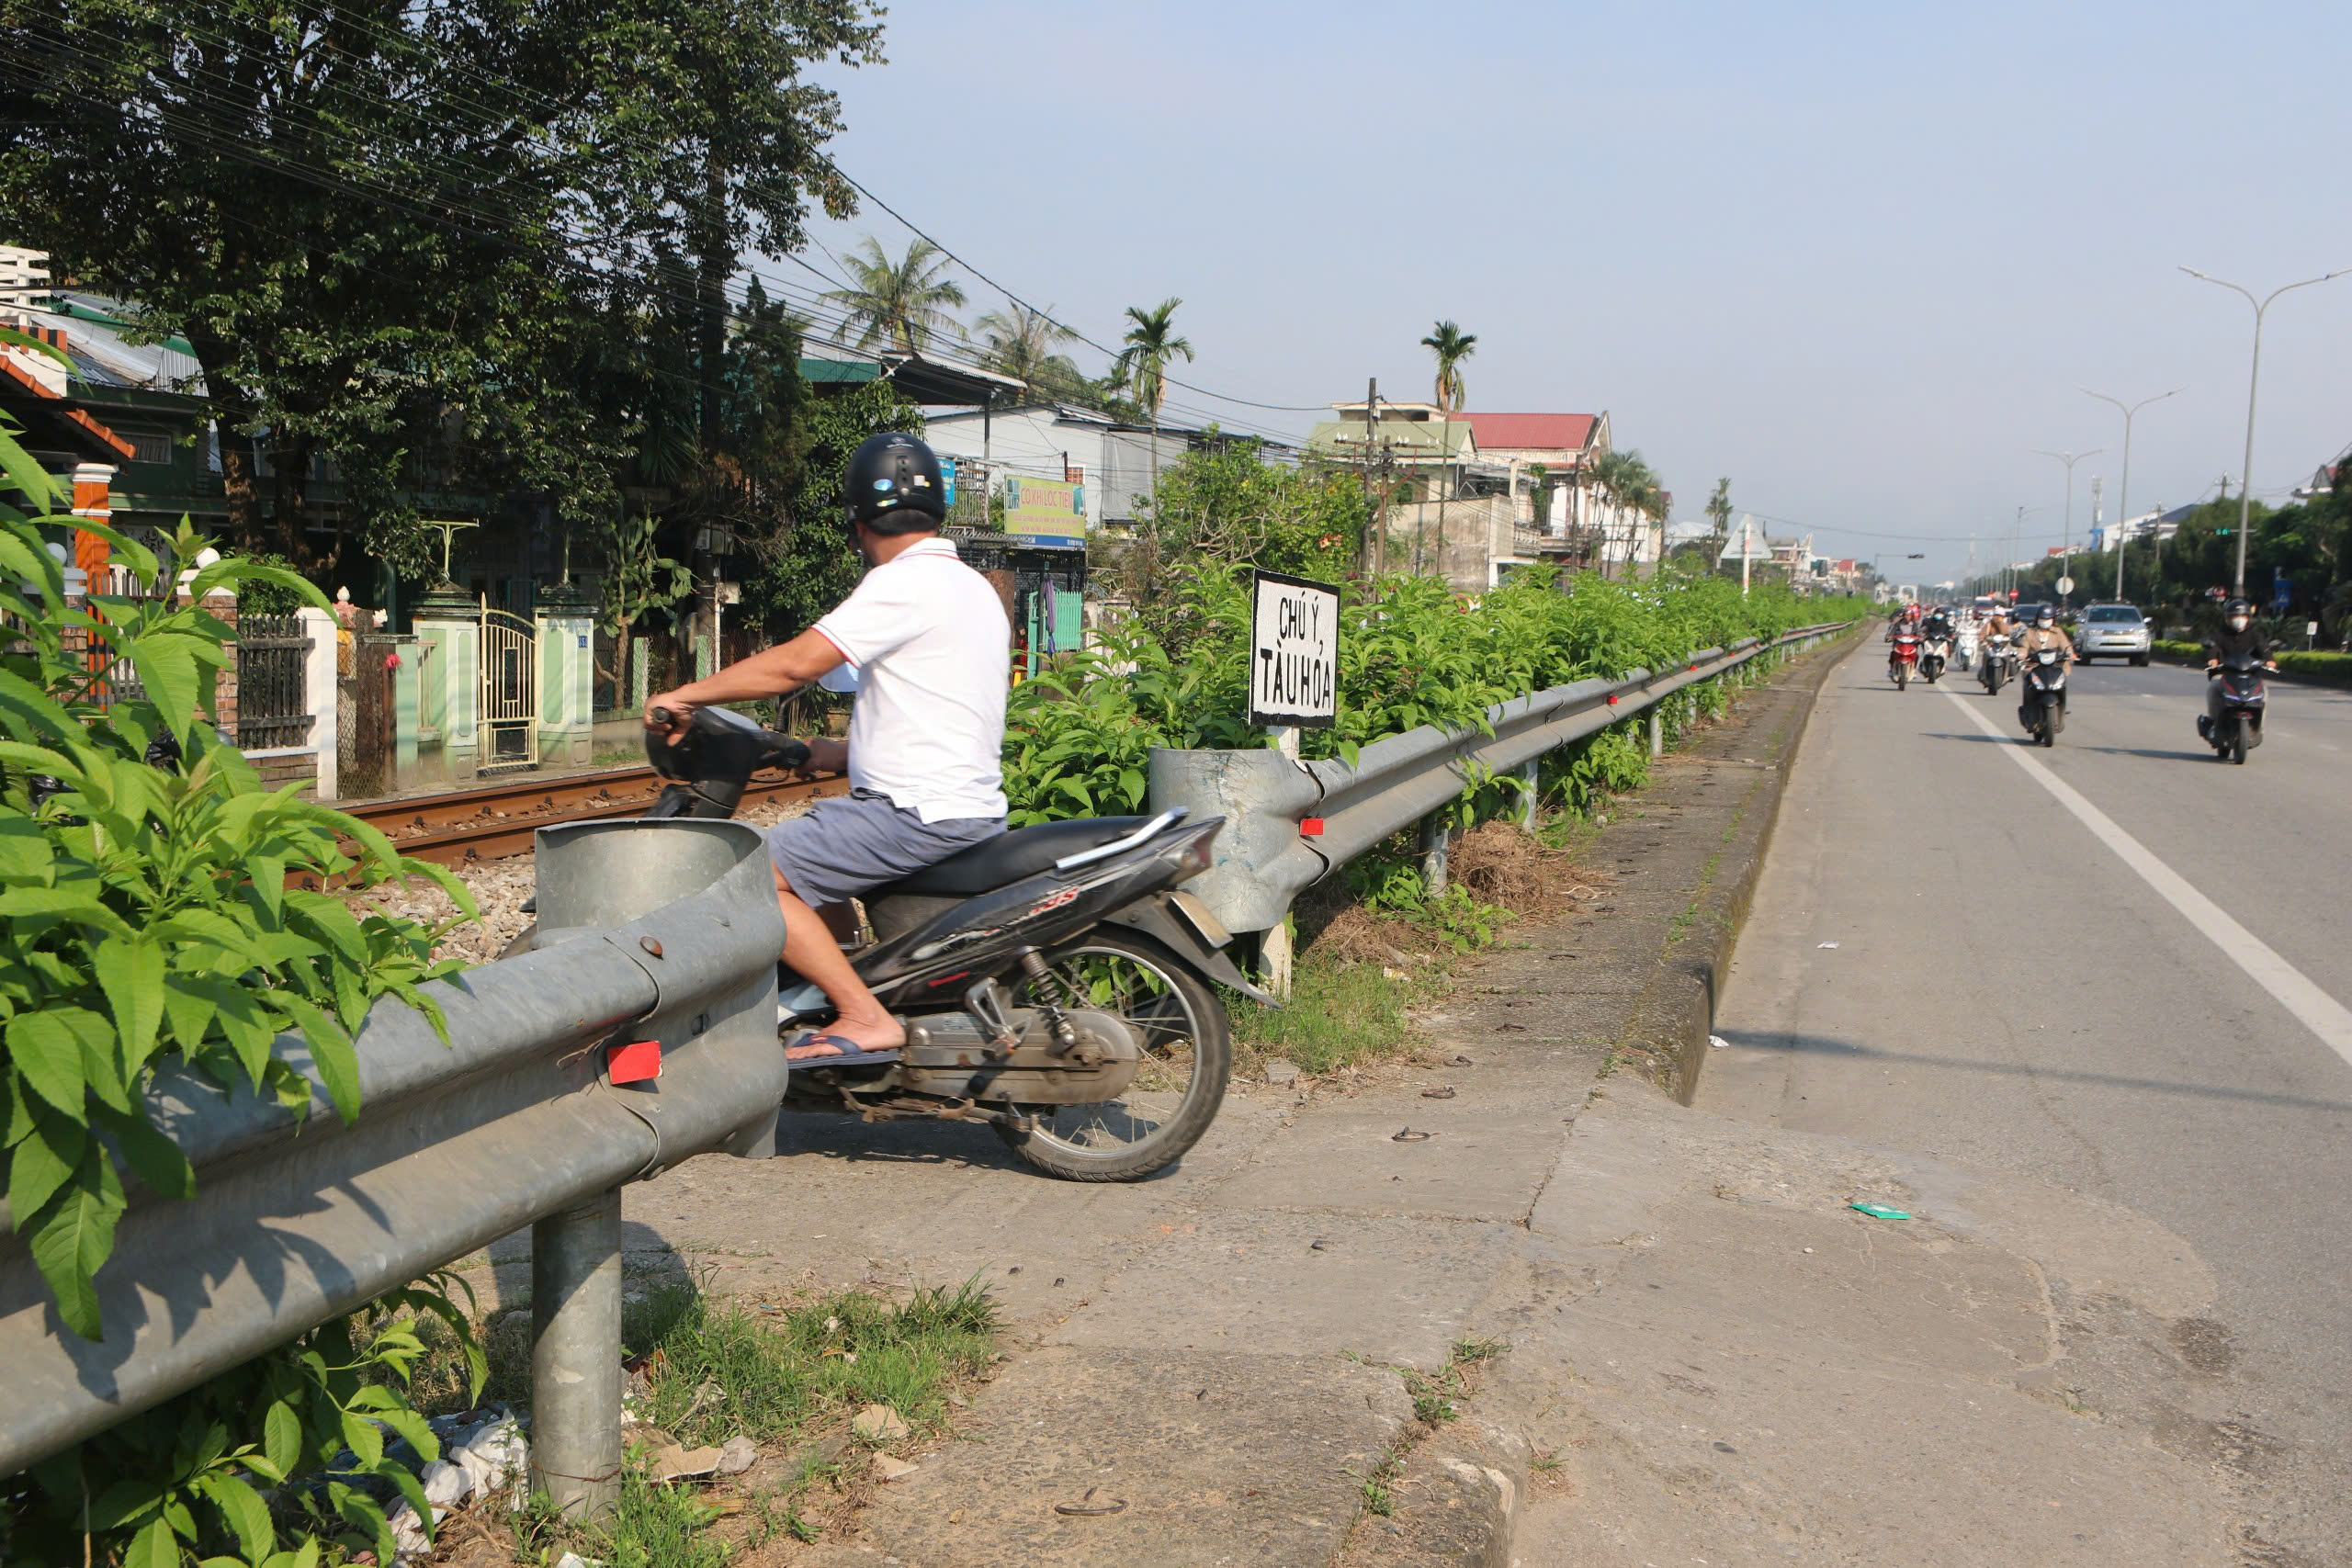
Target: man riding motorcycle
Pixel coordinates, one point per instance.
(2237, 639)
(928, 641)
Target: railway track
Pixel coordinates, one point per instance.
(460, 827)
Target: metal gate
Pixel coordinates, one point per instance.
(509, 714)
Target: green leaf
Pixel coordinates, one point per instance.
(329, 921)
(270, 882)
(281, 1436)
(74, 1234)
(243, 1507)
(25, 854)
(153, 1547)
(167, 668)
(47, 1050)
(158, 1160)
(75, 903)
(131, 976)
(331, 1052)
(366, 1442)
(42, 1163)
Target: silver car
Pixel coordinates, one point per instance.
(2112, 631)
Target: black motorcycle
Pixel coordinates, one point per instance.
(2042, 710)
(2244, 697)
(1054, 981)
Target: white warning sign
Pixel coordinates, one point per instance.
(1295, 653)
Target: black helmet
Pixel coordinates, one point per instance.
(893, 485)
(2045, 616)
(2238, 607)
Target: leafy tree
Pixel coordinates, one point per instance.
(806, 565)
(1020, 341)
(1631, 485)
(1719, 509)
(412, 243)
(1451, 345)
(1151, 346)
(904, 303)
(1224, 507)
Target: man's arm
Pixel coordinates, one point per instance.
(773, 672)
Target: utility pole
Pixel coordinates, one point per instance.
(2252, 386)
(2066, 540)
(1376, 554)
(2123, 496)
(1746, 533)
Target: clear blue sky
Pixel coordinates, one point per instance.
(1857, 257)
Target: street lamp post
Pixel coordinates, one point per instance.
(2252, 384)
(2066, 544)
(2123, 496)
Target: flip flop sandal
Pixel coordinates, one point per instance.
(848, 1052)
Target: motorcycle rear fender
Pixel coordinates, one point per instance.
(1155, 920)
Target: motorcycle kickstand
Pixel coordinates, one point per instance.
(984, 999)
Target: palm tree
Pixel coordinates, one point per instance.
(1451, 345)
(901, 302)
(1632, 485)
(1719, 509)
(1142, 365)
(1020, 343)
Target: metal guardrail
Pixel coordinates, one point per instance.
(1262, 860)
(648, 930)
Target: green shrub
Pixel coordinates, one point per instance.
(146, 919)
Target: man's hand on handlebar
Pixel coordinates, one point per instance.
(669, 713)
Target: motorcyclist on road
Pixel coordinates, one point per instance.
(1938, 624)
(2045, 632)
(928, 641)
(2237, 638)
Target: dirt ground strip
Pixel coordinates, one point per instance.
(1230, 1351)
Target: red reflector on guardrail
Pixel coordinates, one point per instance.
(1311, 827)
(633, 1063)
(1612, 699)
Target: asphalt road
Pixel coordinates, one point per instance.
(2006, 991)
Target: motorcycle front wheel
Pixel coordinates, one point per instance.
(2237, 744)
(1902, 676)
(1187, 1043)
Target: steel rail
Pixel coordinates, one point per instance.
(455, 827)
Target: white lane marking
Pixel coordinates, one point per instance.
(2290, 986)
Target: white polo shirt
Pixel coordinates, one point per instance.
(934, 655)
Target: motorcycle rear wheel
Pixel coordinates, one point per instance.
(1187, 1042)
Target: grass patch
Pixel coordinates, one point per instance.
(1343, 1012)
(787, 1378)
(777, 1373)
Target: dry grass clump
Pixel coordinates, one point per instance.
(1500, 864)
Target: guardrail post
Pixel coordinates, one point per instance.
(575, 1356)
(1437, 840)
(1657, 735)
(1532, 776)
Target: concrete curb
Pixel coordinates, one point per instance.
(1675, 1012)
(1455, 1501)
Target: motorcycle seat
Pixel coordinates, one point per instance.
(1009, 857)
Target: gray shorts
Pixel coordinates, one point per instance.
(851, 844)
